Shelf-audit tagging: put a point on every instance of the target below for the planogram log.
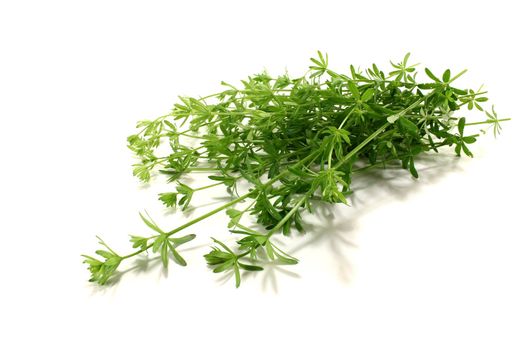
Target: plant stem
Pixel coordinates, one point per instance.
(340, 163)
(208, 186)
(194, 221)
(284, 172)
(489, 121)
(372, 136)
(189, 170)
(227, 205)
(289, 214)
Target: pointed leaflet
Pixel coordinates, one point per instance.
(164, 253)
(446, 76)
(235, 215)
(168, 198)
(432, 76)
(405, 59)
(151, 224)
(181, 240)
(461, 126)
(408, 127)
(237, 275)
(354, 90)
(176, 256)
(249, 267)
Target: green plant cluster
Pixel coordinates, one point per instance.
(296, 141)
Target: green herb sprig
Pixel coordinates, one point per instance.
(295, 141)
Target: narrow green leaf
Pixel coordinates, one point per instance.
(469, 139)
(176, 256)
(157, 243)
(431, 75)
(151, 224)
(412, 168)
(446, 76)
(168, 198)
(224, 266)
(269, 250)
(408, 127)
(181, 240)
(367, 95)
(164, 254)
(466, 150)
(354, 90)
(249, 267)
(461, 125)
(405, 59)
(237, 275)
(104, 254)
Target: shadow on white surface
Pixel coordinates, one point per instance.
(330, 228)
(327, 227)
(272, 272)
(269, 276)
(143, 264)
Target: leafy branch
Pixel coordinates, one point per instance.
(295, 141)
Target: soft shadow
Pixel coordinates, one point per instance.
(141, 265)
(224, 277)
(330, 232)
(272, 272)
(325, 227)
(331, 227)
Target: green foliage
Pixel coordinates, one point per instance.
(186, 194)
(139, 242)
(102, 270)
(223, 259)
(235, 216)
(330, 181)
(461, 141)
(493, 119)
(165, 245)
(320, 67)
(296, 141)
(168, 198)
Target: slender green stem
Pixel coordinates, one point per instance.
(247, 229)
(238, 256)
(287, 217)
(346, 118)
(311, 157)
(330, 156)
(227, 205)
(206, 187)
(356, 149)
(489, 121)
(194, 221)
(189, 170)
(210, 213)
(341, 162)
(372, 136)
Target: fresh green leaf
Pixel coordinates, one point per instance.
(168, 198)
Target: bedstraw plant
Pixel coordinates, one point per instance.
(295, 142)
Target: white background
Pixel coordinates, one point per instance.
(436, 263)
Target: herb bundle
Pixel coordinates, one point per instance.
(294, 141)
